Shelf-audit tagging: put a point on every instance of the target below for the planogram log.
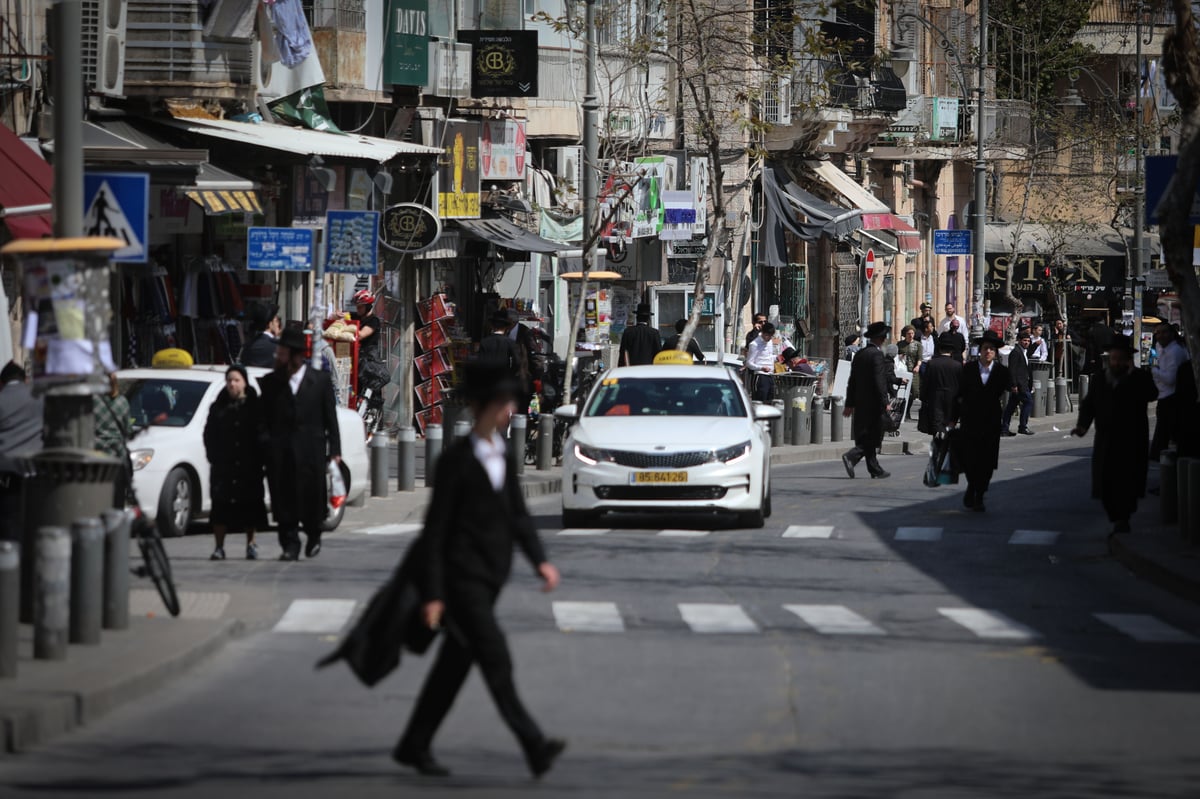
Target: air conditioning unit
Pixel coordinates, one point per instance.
(449, 69)
(777, 100)
(569, 171)
(104, 46)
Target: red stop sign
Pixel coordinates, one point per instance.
(870, 262)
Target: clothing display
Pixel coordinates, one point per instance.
(292, 36)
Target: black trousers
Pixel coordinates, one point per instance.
(1164, 426)
(866, 445)
(289, 510)
(979, 478)
(472, 636)
(1120, 505)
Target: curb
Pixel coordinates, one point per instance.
(44, 716)
(1152, 571)
(541, 488)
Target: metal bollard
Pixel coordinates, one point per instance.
(10, 598)
(517, 429)
(1062, 399)
(462, 428)
(51, 593)
(1048, 397)
(816, 424)
(799, 413)
(433, 450)
(836, 420)
(406, 458)
(87, 581)
(116, 569)
(380, 450)
(1168, 489)
(778, 425)
(1193, 500)
(1085, 382)
(1182, 466)
(545, 445)
(1037, 404)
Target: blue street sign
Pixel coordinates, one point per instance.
(280, 249)
(1159, 169)
(952, 242)
(118, 204)
(352, 242)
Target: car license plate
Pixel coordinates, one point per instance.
(657, 478)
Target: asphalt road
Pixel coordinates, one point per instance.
(873, 640)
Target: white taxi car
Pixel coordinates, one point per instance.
(169, 408)
(667, 438)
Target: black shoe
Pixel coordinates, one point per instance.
(289, 555)
(849, 464)
(969, 499)
(1026, 432)
(1008, 434)
(313, 547)
(1121, 527)
(978, 507)
(542, 758)
(880, 475)
(423, 762)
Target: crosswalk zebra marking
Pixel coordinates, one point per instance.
(316, 616)
(808, 531)
(715, 618)
(390, 529)
(581, 531)
(1146, 629)
(989, 624)
(683, 533)
(1034, 538)
(588, 617)
(918, 533)
(834, 620)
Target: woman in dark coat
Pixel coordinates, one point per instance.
(986, 384)
(235, 455)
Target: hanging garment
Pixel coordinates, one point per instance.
(292, 35)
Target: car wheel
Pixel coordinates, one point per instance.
(753, 519)
(334, 516)
(578, 518)
(176, 504)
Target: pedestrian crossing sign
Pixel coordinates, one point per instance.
(118, 204)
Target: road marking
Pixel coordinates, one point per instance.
(1034, 538)
(316, 616)
(588, 617)
(709, 618)
(808, 531)
(834, 620)
(918, 533)
(683, 533)
(581, 531)
(192, 604)
(1145, 628)
(989, 624)
(391, 529)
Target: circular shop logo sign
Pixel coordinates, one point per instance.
(409, 228)
(496, 61)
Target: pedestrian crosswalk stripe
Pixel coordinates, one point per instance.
(808, 531)
(683, 533)
(710, 618)
(1034, 538)
(581, 531)
(1145, 628)
(588, 617)
(316, 616)
(834, 620)
(391, 529)
(988, 623)
(918, 533)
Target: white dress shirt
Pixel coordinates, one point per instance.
(944, 325)
(1166, 368)
(1040, 352)
(985, 372)
(762, 355)
(294, 380)
(928, 348)
(491, 454)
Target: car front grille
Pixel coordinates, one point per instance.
(670, 460)
(684, 492)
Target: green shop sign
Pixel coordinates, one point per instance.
(406, 48)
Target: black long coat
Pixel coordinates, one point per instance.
(867, 392)
(980, 414)
(940, 381)
(1120, 454)
(301, 436)
(231, 440)
(1018, 368)
(641, 343)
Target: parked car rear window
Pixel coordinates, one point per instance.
(168, 403)
(666, 397)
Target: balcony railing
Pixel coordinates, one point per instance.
(342, 15)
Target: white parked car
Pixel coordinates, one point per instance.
(667, 438)
(169, 408)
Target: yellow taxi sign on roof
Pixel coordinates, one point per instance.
(172, 358)
(673, 358)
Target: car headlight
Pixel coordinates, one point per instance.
(591, 455)
(140, 458)
(733, 454)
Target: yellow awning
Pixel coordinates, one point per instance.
(219, 202)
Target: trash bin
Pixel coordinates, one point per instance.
(1042, 373)
(67, 484)
(797, 390)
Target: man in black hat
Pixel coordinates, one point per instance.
(300, 418)
(1021, 391)
(1116, 402)
(476, 517)
(867, 401)
(265, 328)
(693, 347)
(940, 380)
(985, 384)
(498, 348)
(640, 342)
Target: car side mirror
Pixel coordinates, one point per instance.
(766, 413)
(567, 412)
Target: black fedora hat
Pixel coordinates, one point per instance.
(877, 329)
(488, 379)
(947, 341)
(991, 337)
(1122, 343)
(293, 339)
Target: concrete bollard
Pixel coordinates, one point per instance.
(434, 435)
(406, 459)
(1062, 398)
(462, 428)
(816, 424)
(1085, 382)
(1182, 465)
(517, 433)
(1193, 501)
(545, 445)
(116, 569)
(87, 581)
(1049, 398)
(10, 599)
(799, 414)
(379, 450)
(51, 593)
(1036, 405)
(836, 420)
(778, 425)
(1168, 490)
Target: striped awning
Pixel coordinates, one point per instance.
(220, 201)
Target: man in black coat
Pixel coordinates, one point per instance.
(476, 516)
(1021, 393)
(985, 383)
(640, 342)
(867, 401)
(1116, 402)
(940, 381)
(265, 328)
(672, 342)
(498, 347)
(299, 416)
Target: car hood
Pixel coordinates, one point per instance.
(678, 433)
(162, 437)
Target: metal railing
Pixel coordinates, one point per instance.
(343, 15)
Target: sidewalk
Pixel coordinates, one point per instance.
(1158, 552)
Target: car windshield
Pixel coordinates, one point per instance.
(163, 401)
(644, 396)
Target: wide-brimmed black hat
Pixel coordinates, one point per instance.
(991, 337)
(488, 379)
(947, 341)
(293, 339)
(499, 318)
(877, 329)
(643, 311)
(1122, 343)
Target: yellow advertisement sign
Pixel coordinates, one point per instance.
(458, 171)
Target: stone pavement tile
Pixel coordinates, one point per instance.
(1159, 553)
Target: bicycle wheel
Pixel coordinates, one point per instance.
(158, 567)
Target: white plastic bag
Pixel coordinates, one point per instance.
(337, 486)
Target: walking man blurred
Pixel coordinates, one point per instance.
(867, 401)
(984, 384)
(1018, 368)
(940, 381)
(640, 342)
(1171, 355)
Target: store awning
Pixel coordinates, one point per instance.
(804, 215)
(1039, 239)
(876, 215)
(505, 234)
(28, 183)
(299, 141)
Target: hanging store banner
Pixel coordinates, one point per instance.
(656, 175)
(679, 216)
(406, 46)
(409, 228)
(503, 63)
(698, 182)
(458, 171)
(502, 150)
(352, 242)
